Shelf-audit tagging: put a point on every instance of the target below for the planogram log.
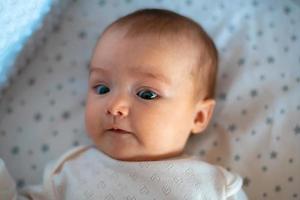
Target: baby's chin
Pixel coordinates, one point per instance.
(125, 156)
(134, 157)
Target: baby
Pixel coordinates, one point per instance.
(151, 85)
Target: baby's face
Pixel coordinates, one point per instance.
(144, 87)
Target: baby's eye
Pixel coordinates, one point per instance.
(147, 94)
(101, 89)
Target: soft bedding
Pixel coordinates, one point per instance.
(255, 130)
(18, 21)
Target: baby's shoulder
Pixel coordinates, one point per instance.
(55, 166)
(231, 182)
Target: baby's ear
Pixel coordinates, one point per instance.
(204, 111)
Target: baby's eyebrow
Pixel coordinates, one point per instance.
(96, 69)
(138, 71)
(150, 74)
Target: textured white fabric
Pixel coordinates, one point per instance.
(87, 173)
(7, 185)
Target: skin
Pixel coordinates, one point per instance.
(159, 128)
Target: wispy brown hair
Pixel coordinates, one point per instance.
(165, 23)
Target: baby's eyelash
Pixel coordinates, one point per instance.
(105, 89)
(152, 96)
(145, 94)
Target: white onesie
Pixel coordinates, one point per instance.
(85, 173)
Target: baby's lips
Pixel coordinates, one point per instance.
(118, 130)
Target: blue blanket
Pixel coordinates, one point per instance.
(18, 20)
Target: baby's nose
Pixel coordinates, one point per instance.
(118, 107)
(118, 111)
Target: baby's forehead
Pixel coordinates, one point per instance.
(181, 43)
(180, 52)
(188, 36)
(152, 51)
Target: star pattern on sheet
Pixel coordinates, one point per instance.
(297, 130)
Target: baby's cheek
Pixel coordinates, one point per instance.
(91, 121)
(152, 128)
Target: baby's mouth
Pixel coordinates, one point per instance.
(118, 131)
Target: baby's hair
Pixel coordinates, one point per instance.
(164, 24)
